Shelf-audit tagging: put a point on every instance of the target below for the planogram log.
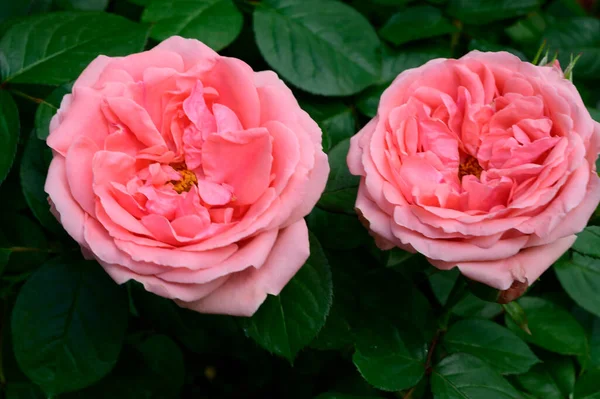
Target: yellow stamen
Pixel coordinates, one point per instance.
(470, 166)
(188, 179)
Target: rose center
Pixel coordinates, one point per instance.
(469, 166)
(188, 179)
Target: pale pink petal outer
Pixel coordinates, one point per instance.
(245, 291)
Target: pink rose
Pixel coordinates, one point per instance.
(486, 163)
(188, 172)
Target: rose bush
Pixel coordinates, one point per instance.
(486, 163)
(188, 172)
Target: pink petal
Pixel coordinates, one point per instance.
(226, 119)
(71, 215)
(240, 159)
(84, 118)
(245, 291)
(194, 53)
(214, 193)
(251, 254)
(233, 79)
(80, 175)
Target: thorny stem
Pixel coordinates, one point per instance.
(2, 312)
(27, 96)
(434, 342)
(408, 394)
(29, 249)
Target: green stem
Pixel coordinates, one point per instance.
(31, 98)
(30, 249)
(2, 313)
(459, 290)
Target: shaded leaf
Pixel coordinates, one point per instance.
(342, 186)
(396, 327)
(416, 23)
(80, 316)
(501, 348)
(215, 22)
(571, 36)
(335, 119)
(463, 376)
(580, 277)
(552, 327)
(284, 324)
(83, 5)
(587, 386)
(47, 109)
(552, 379)
(33, 171)
(9, 133)
(324, 48)
(485, 11)
(54, 48)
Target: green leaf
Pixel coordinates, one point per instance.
(395, 328)
(591, 324)
(337, 230)
(26, 242)
(587, 386)
(21, 8)
(34, 168)
(47, 109)
(200, 333)
(461, 376)
(342, 186)
(486, 11)
(579, 275)
(396, 61)
(552, 379)
(415, 23)
(527, 31)
(165, 359)
(501, 348)
(517, 314)
(347, 267)
(588, 242)
(54, 48)
(80, 318)
(151, 369)
(215, 22)
(4, 257)
(391, 2)
(595, 114)
(334, 395)
(472, 307)
(336, 120)
(552, 327)
(284, 324)
(324, 48)
(9, 133)
(83, 5)
(368, 101)
(23, 390)
(442, 282)
(573, 36)
(566, 8)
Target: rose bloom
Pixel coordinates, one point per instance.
(189, 173)
(486, 163)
